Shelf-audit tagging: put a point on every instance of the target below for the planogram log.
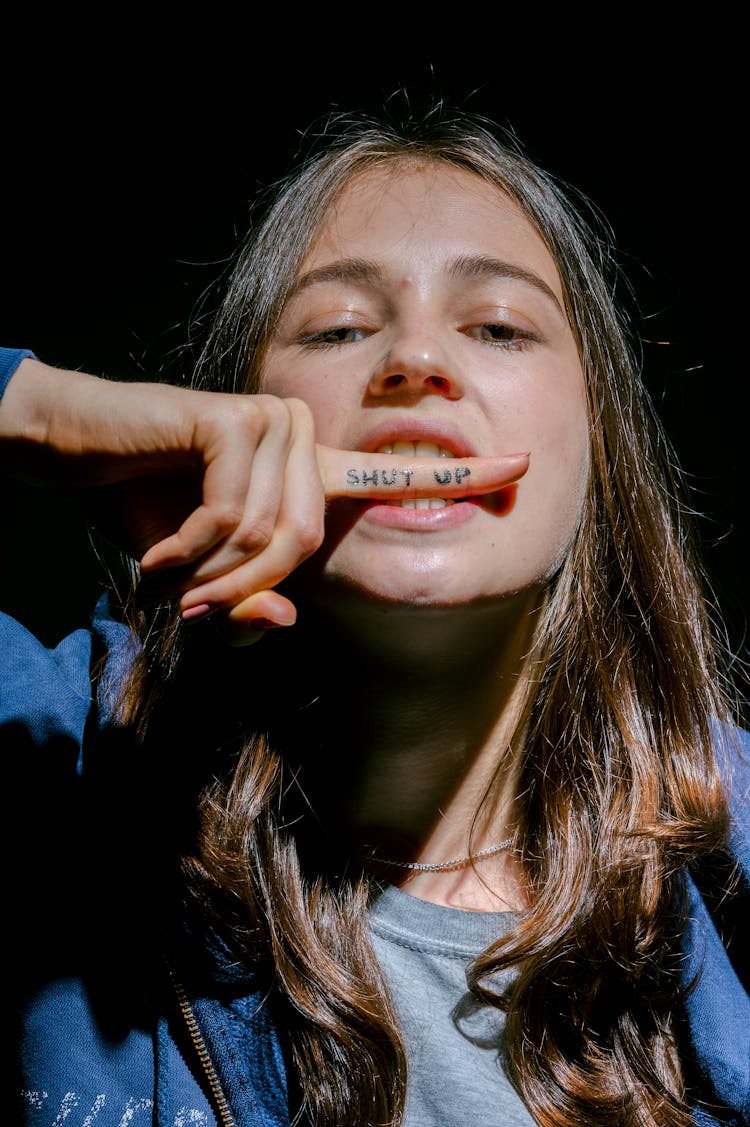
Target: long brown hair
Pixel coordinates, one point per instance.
(620, 788)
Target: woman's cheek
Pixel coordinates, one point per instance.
(320, 389)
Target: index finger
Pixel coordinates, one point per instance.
(351, 473)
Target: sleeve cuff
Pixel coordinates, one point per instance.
(10, 358)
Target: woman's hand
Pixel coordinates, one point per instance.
(219, 496)
(193, 484)
(243, 585)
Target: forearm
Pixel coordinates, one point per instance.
(59, 426)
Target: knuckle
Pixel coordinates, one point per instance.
(309, 537)
(247, 414)
(253, 538)
(275, 410)
(259, 414)
(227, 517)
(299, 410)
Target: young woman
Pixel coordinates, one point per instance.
(462, 840)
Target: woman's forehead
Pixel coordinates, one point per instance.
(408, 213)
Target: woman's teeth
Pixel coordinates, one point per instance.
(424, 503)
(418, 449)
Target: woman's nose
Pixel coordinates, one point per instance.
(415, 367)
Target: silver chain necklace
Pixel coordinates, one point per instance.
(443, 866)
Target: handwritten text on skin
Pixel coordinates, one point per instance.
(403, 477)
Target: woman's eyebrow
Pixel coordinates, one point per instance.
(357, 270)
(362, 271)
(481, 266)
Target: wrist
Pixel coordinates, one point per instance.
(40, 416)
(10, 358)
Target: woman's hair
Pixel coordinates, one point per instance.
(620, 788)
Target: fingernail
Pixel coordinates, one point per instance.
(191, 614)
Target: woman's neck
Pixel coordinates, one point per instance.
(419, 718)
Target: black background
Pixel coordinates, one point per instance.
(129, 164)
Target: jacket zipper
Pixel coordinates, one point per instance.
(222, 1105)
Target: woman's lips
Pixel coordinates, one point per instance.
(391, 514)
(417, 448)
(430, 512)
(411, 432)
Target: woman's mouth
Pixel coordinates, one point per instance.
(419, 448)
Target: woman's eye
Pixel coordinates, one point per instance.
(508, 336)
(340, 334)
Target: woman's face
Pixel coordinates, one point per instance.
(430, 312)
